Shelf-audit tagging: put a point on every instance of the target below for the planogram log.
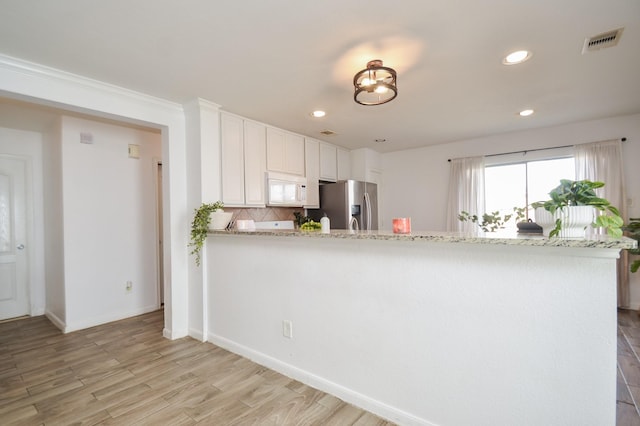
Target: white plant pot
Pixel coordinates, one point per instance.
(545, 220)
(575, 220)
(220, 220)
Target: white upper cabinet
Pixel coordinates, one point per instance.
(275, 150)
(244, 162)
(328, 162)
(344, 164)
(366, 165)
(255, 163)
(232, 140)
(285, 152)
(312, 167)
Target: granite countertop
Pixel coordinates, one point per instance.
(447, 237)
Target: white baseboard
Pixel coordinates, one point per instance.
(55, 320)
(174, 334)
(115, 316)
(350, 396)
(197, 334)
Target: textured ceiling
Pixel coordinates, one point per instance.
(275, 61)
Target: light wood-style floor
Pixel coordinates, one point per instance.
(126, 373)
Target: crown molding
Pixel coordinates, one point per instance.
(203, 104)
(33, 69)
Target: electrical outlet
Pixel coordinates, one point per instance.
(129, 286)
(287, 329)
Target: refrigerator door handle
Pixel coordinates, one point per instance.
(367, 203)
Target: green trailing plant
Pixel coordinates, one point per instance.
(200, 226)
(633, 230)
(582, 193)
(491, 222)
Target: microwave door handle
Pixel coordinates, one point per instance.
(301, 193)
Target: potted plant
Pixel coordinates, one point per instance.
(633, 228)
(202, 218)
(300, 219)
(572, 199)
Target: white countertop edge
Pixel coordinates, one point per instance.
(447, 237)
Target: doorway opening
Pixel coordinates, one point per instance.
(160, 233)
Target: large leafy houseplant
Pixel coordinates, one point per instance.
(200, 226)
(633, 228)
(582, 193)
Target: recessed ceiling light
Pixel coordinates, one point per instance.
(525, 112)
(318, 114)
(516, 57)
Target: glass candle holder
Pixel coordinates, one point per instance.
(402, 225)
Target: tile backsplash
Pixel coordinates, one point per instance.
(264, 214)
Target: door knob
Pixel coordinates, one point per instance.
(20, 247)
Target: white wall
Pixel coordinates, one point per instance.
(54, 227)
(110, 231)
(416, 181)
(426, 333)
(203, 157)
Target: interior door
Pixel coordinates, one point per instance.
(14, 292)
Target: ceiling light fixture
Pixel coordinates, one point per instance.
(525, 112)
(375, 85)
(318, 114)
(517, 57)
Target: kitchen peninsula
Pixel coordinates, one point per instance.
(426, 328)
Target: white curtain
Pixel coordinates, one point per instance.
(466, 193)
(602, 161)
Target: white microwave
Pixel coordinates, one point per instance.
(286, 190)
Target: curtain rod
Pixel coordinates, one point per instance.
(533, 150)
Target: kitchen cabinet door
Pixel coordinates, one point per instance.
(255, 163)
(294, 154)
(328, 162)
(275, 150)
(344, 164)
(312, 172)
(232, 141)
(285, 152)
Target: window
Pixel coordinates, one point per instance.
(520, 184)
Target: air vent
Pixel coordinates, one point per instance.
(327, 132)
(602, 41)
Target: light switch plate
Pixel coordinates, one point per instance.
(134, 151)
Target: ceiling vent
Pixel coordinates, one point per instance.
(602, 41)
(327, 132)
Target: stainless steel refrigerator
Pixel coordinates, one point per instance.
(349, 204)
